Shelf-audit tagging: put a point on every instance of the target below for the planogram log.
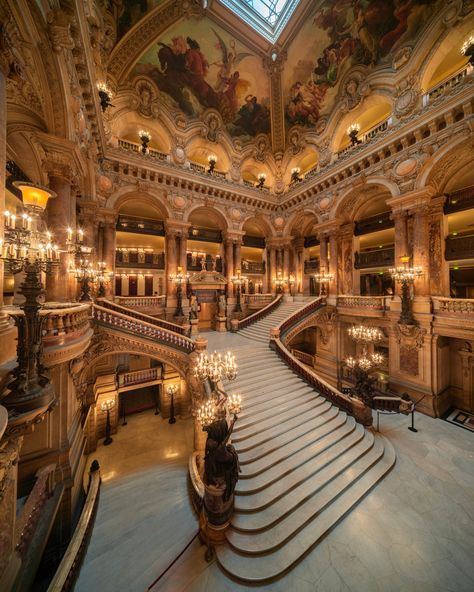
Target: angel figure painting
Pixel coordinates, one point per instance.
(347, 33)
(200, 67)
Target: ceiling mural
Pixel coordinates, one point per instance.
(345, 33)
(129, 12)
(196, 65)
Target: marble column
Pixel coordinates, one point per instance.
(421, 249)
(171, 261)
(323, 253)
(272, 269)
(355, 245)
(401, 235)
(61, 212)
(108, 253)
(238, 255)
(438, 266)
(334, 260)
(183, 247)
(286, 266)
(347, 265)
(265, 282)
(298, 264)
(229, 264)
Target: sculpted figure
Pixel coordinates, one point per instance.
(193, 306)
(221, 305)
(221, 463)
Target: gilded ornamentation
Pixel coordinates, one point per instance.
(410, 336)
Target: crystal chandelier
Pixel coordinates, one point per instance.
(365, 334)
(206, 414)
(234, 403)
(215, 367)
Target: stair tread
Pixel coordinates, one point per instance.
(276, 406)
(260, 569)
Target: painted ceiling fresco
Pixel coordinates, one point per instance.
(341, 34)
(196, 66)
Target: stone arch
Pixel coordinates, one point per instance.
(215, 214)
(131, 193)
(305, 219)
(262, 222)
(199, 148)
(354, 198)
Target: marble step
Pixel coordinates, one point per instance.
(331, 424)
(275, 406)
(258, 569)
(257, 375)
(255, 447)
(260, 391)
(265, 541)
(274, 424)
(296, 456)
(280, 497)
(257, 336)
(274, 397)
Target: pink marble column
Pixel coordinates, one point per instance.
(229, 264)
(421, 249)
(272, 269)
(183, 247)
(286, 266)
(238, 255)
(323, 253)
(171, 261)
(334, 260)
(108, 254)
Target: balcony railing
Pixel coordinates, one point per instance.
(145, 375)
(304, 357)
(459, 200)
(257, 267)
(194, 264)
(373, 223)
(311, 266)
(364, 302)
(257, 301)
(459, 247)
(202, 170)
(140, 226)
(137, 302)
(379, 258)
(453, 306)
(139, 259)
(447, 84)
(134, 147)
(366, 137)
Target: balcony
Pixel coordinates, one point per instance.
(253, 267)
(146, 377)
(139, 259)
(457, 307)
(367, 137)
(364, 305)
(207, 235)
(311, 266)
(212, 263)
(459, 200)
(373, 224)
(447, 84)
(374, 259)
(134, 147)
(140, 226)
(459, 247)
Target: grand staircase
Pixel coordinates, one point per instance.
(304, 462)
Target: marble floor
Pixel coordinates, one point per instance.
(413, 533)
(144, 517)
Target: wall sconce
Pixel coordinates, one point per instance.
(105, 96)
(145, 138)
(212, 160)
(352, 132)
(295, 175)
(261, 180)
(467, 49)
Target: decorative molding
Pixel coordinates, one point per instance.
(410, 336)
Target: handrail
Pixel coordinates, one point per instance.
(149, 330)
(452, 305)
(67, 571)
(348, 404)
(153, 584)
(141, 316)
(259, 314)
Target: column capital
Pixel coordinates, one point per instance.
(107, 217)
(298, 242)
(324, 229)
(175, 228)
(412, 199)
(235, 236)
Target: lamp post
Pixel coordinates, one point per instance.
(212, 160)
(406, 275)
(352, 131)
(107, 405)
(179, 278)
(28, 248)
(323, 277)
(172, 390)
(238, 280)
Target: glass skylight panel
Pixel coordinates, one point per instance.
(267, 17)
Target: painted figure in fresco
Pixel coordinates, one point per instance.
(230, 59)
(360, 32)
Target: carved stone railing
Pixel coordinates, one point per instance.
(139, 376)
(378, 258)
(138, 225)
(257, 267)
(148, 302)
(135, 325)
(142, 317)
(135, 147)
(68, 569)
(257, 300)
(447, 84)
(453, 306)
(302, 356)
(30, 513)
(364, 302)
(367, 136)
(278, 342)
(256, 316)
(459, 247)
(64, 324)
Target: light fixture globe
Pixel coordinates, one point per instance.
(35, 197)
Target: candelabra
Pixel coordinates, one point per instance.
(295, 175)
(145, 138)
(102, 278)
(365, 334)
(206, 414)
(179, 278)
(238, 280)
(215, 367)
(261, 180)
(212, 160)
(80, 264)
(172, 390)
(279, 282)
(28, 248)
(352, 132)
(324, 278)
(406, 276)
(105, 96)
(107, 405)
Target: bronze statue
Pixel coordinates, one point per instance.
(221, 463)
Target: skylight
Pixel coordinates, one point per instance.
(267, 17)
